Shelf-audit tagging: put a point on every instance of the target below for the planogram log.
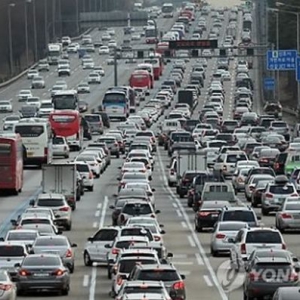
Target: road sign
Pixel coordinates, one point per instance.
(298, 68)
(193, 44)
(283, 60)
(269, 84)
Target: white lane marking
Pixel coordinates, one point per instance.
(92, 290)
(174, 204)
(99, 205)
(191, 241)
(207, 280)
(179, 213)
(198, 243)
(97, 213)
(183, 224)
(180, 256)
(103, 213)
(183, 263)
(185, 273)
(86, 280)
(95, 224)
(199, 259)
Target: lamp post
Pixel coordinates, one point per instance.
(77, 17)
(35, 32)
(46, 21)
(11, 60)
(26, 31)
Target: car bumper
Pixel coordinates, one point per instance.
(88, 182)
(62, 222)
(39, 284)
(221, 246)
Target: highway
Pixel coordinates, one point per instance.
(191, 250)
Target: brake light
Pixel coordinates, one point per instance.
(269, 195)
(24, 273)
(286, 216)
(251, 187)
(276, 166)
(91, 176)
(220, 236)
(69, 253)
(253, 276)
(115, 251)
(45, 152)
(157, 238)
(294, 195)
(5, 287)
(283, 246)
(65, 208)
(122, 184)
(58, 272)
(264, 160)
(204, 214)
(120, 280)
(243, 248)
(143, 171)
(294, 277)
(178, 285)
(240, 180)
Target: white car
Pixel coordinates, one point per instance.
(106, 37)
(43, 65)
(99, 70)
(6, 106)
(86, 174)
(88, 63)
(38, 82)
(94, 78)
(226, 76)
(34, 101)
(46, 107)
(135, 37)
(92, 161)
(83, 88)
(60, 147)
(10, 121)
(103, 50)
(111, 31)
(24, 95)
(56, 88)
(62, 83)
(112, 44)
(32, 73)
(64, 71)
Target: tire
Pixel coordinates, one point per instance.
(181, 195)
(91, 188)
(87, 260)
(118, 155)
(69, 226)
(97, 176)
(74, 207)
(67, 156)
(213, 252)
(65, 292)
(170, 184)
(71, 269)
(264, 212)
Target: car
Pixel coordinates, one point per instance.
(88, 63)
(24, 95)
(64, 71)
(103, 50)
(9, 121)
(32, 73)
(136, 37)
(288, 216)
(111, 61)
(93, 162)
(99, 70)
(6, 106)
(106, 37)
(286, 293)
(38, 82)
(34, 101)
(46, 108)
(83, 106)
(86, 174)
(56, 276)
(132, 177)
(94, 78)
(43, 66)
(60, 147)
(83, 88)
(21, 236)
(58, 245)
(56, 88)
(59, 205)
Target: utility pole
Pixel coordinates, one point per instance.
(11, 59)
(115, 68)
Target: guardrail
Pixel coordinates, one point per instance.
(291, 111)
(14, 79)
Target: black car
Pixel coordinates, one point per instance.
(105, 119)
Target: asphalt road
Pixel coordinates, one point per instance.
(190, 249)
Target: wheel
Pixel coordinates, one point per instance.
(109, 273)
(67, 156)
(198, 228)
(87, 259)
(213, 252)
(118, 155)
(69, 226)
(65, 291)
(170, 184)
(74, 207)
(91, 188)
(254, 203)
(71, 269)
(181, 195)
(97, 176)
(264, 212)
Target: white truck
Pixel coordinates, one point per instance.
(61, 179)
(54, 53)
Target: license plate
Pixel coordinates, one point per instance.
(215, 216)
(296, 216)
(281, 199)
(29, 153)
(41, 274)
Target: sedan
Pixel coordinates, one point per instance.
(34, 101)
(226, 76)
(83, 106)
(6, 106)
(133, 177)
(60, 147)
(103, 50)
(135, 37)
(43, 65)
(52, 276)
(94, 78)
(32, 73)
(8, 290)
(38, 82)
(64, 71)
(24, 95)
(83, 88)
(57, 245)
(288, 217)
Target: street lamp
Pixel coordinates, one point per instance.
(11, 61)
(26, 31)
(46, 21)
(34, 31)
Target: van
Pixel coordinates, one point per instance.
(95, 122)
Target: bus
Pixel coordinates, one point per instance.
(151, 34)
(11, 163)
(167, 10)
(67, 123)
(163, 49)
(149, 68)
(36, 136)
(115, 104)
(130, 95)
(67, 99)
(140, 79)
(157, 62)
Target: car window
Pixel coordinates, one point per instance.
(126, 266)
(38, 261)
(283, 190)
(136, 232)
(22, 236)
(51, 242)
(263, 237)
(106, 235)
(158, 275)
(35, 221)
(239, 215)
(134, 209)
(51, 202)
(11, 251)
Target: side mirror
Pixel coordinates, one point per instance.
(118, 178)
(17, 265)
(182, 276)
(297, 269)
(31, 202)
(119, 168)
(157, 211)
(161, 225)
(107, 246)
(1, 239)
(162, 232)
(14, 222)
(153, 190)
(295, 259)
(258, 217)
(170, 255)
(74, 245)
(59, 232)
(90, 239)
(112, 207)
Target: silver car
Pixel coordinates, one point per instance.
(288, 217)
(58, 245)
(8, 289)
(21, 236)
(239, 178)
(60, 147)
(38, 82)
(52, 276)
(222, 232)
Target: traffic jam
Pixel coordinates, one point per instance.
(229, 166)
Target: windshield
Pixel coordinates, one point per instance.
(116, 98)
(92, 118)
(231, 227)
(22, 236)
(158, 275)
(52, 242)
(51, 202)
(134, 209)
(127, 265)
(263, 237)
(281, 189)
(239, 215)
(29, 130)
(11, 251)
(40, 261)
(292, 206)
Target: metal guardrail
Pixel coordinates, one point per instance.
(14, 79)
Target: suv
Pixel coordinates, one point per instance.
(249, 239)
(95, 122)
(167, 273)
(260, 170)
(265, 275)
(60, 207)
(240, 213)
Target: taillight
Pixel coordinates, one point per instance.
(243, 248)
(69, 253)
(293, 277)
(294, 195)
(24, 273)
(240, 179)
(45, 151)
(178, 285)
(286, 216)
(157, 238)
(269, 195)
(65, 208)
(283, 246)
(91, 176)
(119, 280)
(204, 214)
(220, 236)
(276, 166)
(153, 216)
(5, 287)
(253, 276)
(115, 251)
(58, 272)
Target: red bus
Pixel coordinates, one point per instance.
(140, 79)
(67, 123)
(11, 163)
(157, 62)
